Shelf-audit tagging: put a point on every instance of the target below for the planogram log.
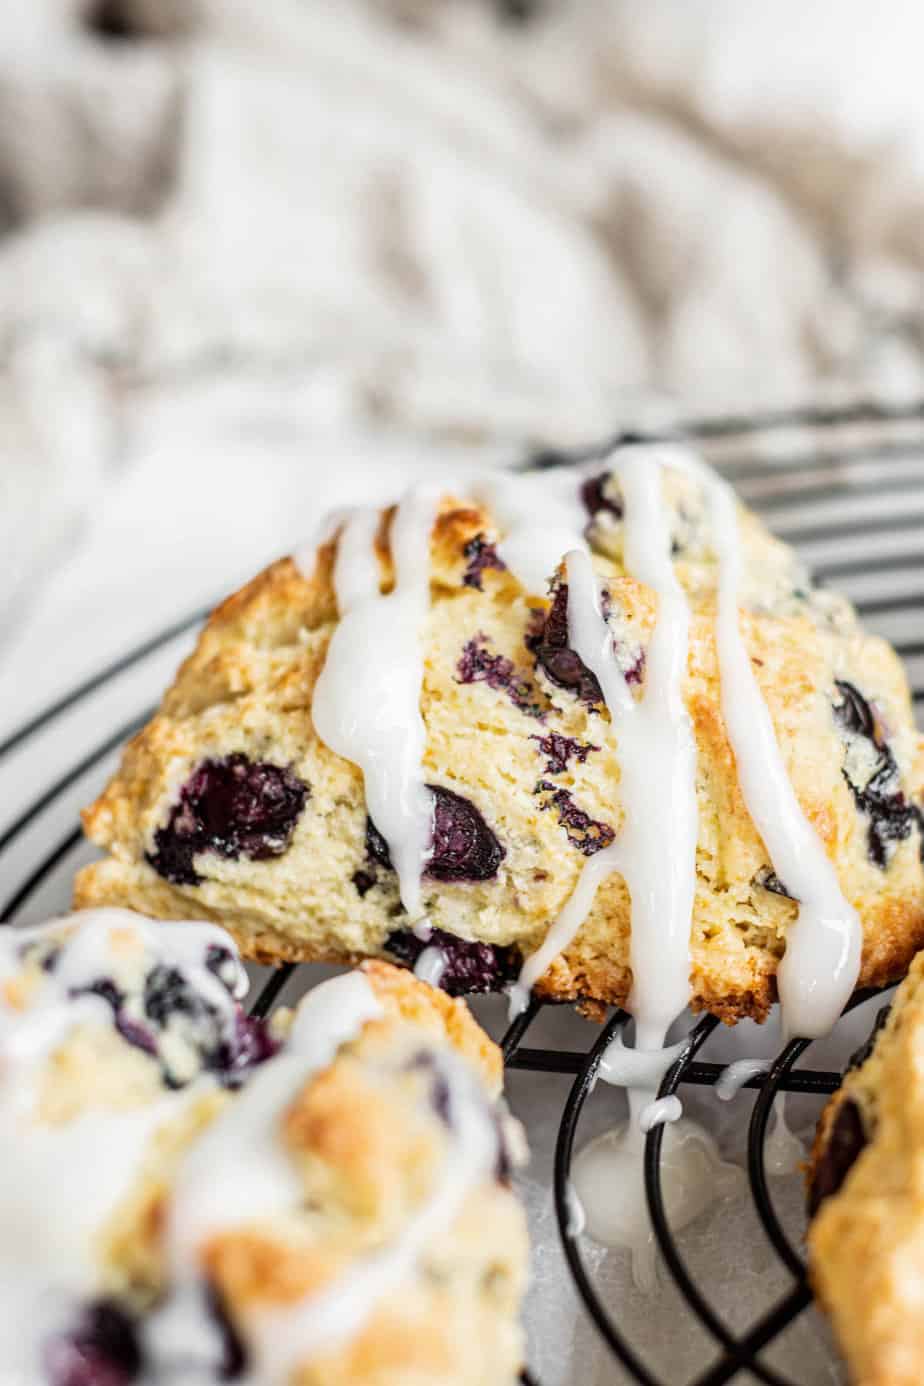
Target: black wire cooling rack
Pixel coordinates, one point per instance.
(845, 485)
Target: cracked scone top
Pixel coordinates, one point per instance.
(334, 1210)
(410, 691)
(866, 1192)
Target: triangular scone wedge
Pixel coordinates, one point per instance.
(866, 1183)
(229, 806)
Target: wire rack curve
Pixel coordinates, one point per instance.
(832, 481)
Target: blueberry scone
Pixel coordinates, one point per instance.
(866, 1194)
(192, 1195)
(589, 733)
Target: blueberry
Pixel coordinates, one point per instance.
(101, 1350)
(376, 846)
(463, 847)
(234, 807)
(439, 1087)
(233, 1357)
(594, 499)
(854, 712)
(477, 664)
(588, 834)
(168, 996)
(167, 993)
(135, 1034)
(220, 960)
(846, 1141)
(128, 1028)
(480, 555)
(891, 817)
(470, 967)
(548, 641)
(251, 1044)
(559, 750)
(363, 881)
(767, 879)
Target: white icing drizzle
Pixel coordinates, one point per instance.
(733, 1078)
(366, 704)
(656, 849)
(542, 518)
(431, 965)
(572, 915)
(636, 1068)
(61, 1183)
(783, 1150)
(239, 1168)
(287, 1337)
(665, 1109)
(819, 969)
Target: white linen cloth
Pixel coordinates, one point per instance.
(251, 247)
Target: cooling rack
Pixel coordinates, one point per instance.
(845, 486)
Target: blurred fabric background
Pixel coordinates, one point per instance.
(258, 256)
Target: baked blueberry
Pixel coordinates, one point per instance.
(874, 780)
(767, 879)
(548, 641)
(595, 499)
(560, 750)
(235, 807)
(845, 1142)
(588, 834)
(250, 1045)
(470, 967)
(478, 664)
(101, 1350)
(462, 848)
(363, 881)
(480, 555)
(233, 1358)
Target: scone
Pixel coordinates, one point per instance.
(189, 1195)
(230, 805)
(866, 1192)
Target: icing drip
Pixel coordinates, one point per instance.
(783, 1150)
(366, 704)
(665, 1109)
(636, 1068)
(572, 915)
(431, 965)
(63, 1181)
(609, 1183)
(819, 969)
(733, 1078)
(542, 517)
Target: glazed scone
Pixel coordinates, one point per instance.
(866, 1190)
(230, 805)
(331, 1207)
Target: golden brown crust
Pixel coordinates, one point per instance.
(866, 1242)
(248, 686)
